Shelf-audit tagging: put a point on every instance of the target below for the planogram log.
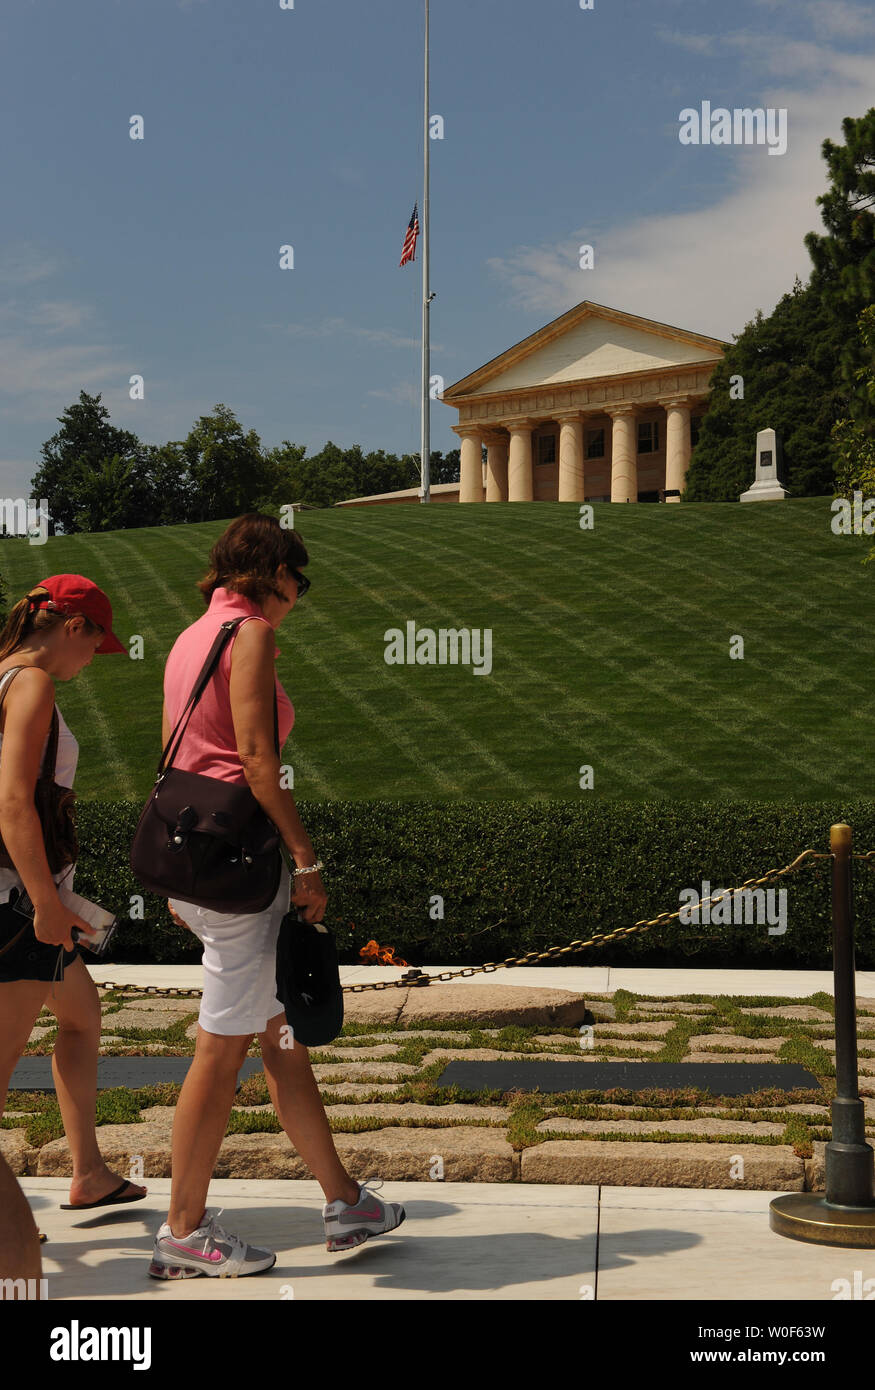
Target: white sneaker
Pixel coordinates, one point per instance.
(348, 1225)
(209, 1250)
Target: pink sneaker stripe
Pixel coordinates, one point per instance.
(214, 1255)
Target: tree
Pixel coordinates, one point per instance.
(84, 445)
(855, 444)
(101, 496)
(845, 259)
(442, 468)
(229, 473)
(799, 365)
(786, 365)
(171, 492)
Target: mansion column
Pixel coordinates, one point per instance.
(624, 454)
(677, 446)
(570, 457)
(520, 479)
(471, 464)
(496, 467)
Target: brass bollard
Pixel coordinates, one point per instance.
(845, 1213)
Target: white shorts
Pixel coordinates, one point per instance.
(239, 963)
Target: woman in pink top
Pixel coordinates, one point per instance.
(255, 573)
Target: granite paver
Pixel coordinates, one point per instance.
(388, 1120)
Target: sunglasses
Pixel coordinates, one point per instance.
(301, 580)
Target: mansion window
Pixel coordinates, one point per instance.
(695, 428)
(648, 436)
(595, 444)
(547, 448)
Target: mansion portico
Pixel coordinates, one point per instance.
(598, 405)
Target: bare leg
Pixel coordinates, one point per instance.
(19, 1242)
(76, 1005)
(20, 1003)
(298, 1104)
(199, 1124)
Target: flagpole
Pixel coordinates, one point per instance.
(425, 434)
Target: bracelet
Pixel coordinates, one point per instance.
(312, 869)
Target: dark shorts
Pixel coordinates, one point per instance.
(29, 959)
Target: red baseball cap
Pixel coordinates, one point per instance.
(73, 593)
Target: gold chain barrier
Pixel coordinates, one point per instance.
(417, 977)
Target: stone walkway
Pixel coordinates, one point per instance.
(390, 1117)
(471, 1241)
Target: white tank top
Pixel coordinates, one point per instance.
(65, 771)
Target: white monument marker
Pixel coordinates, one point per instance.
(768, 484)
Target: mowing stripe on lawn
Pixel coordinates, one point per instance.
(756, 664)
(732, 588)
(533, 713)
(451, 726)
(536, 714)
(173, 600)
(696, 712)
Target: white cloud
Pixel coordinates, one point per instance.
(331, 327)
(711, 268)
(25, 264)
(52, 316)
(402, 393)
(830, 19)
(39, 377)
(694, 43)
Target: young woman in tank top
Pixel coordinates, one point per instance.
(51, 635)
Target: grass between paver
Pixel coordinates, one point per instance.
(40, 1116)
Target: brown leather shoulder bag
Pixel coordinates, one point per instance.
(201, 840)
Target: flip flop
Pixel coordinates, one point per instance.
(112, 1199)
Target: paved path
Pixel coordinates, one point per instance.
(460, 1241)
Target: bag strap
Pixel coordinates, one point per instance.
(13, 672)
(47, 773)
(17, 937)
(207, 671)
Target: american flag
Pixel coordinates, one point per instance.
(409, 248)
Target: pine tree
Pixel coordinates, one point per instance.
(798, 367)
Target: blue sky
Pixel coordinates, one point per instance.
(266, 126)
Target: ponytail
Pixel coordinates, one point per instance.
(24, 620)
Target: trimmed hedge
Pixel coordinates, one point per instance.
(521, 876)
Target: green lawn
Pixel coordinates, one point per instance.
(610, 648)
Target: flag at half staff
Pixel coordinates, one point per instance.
(408, 252)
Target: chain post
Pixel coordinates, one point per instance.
(850, 1161)
(845, 1214)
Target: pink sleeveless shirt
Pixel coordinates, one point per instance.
(209, 745)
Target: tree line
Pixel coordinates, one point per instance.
(97, 477)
